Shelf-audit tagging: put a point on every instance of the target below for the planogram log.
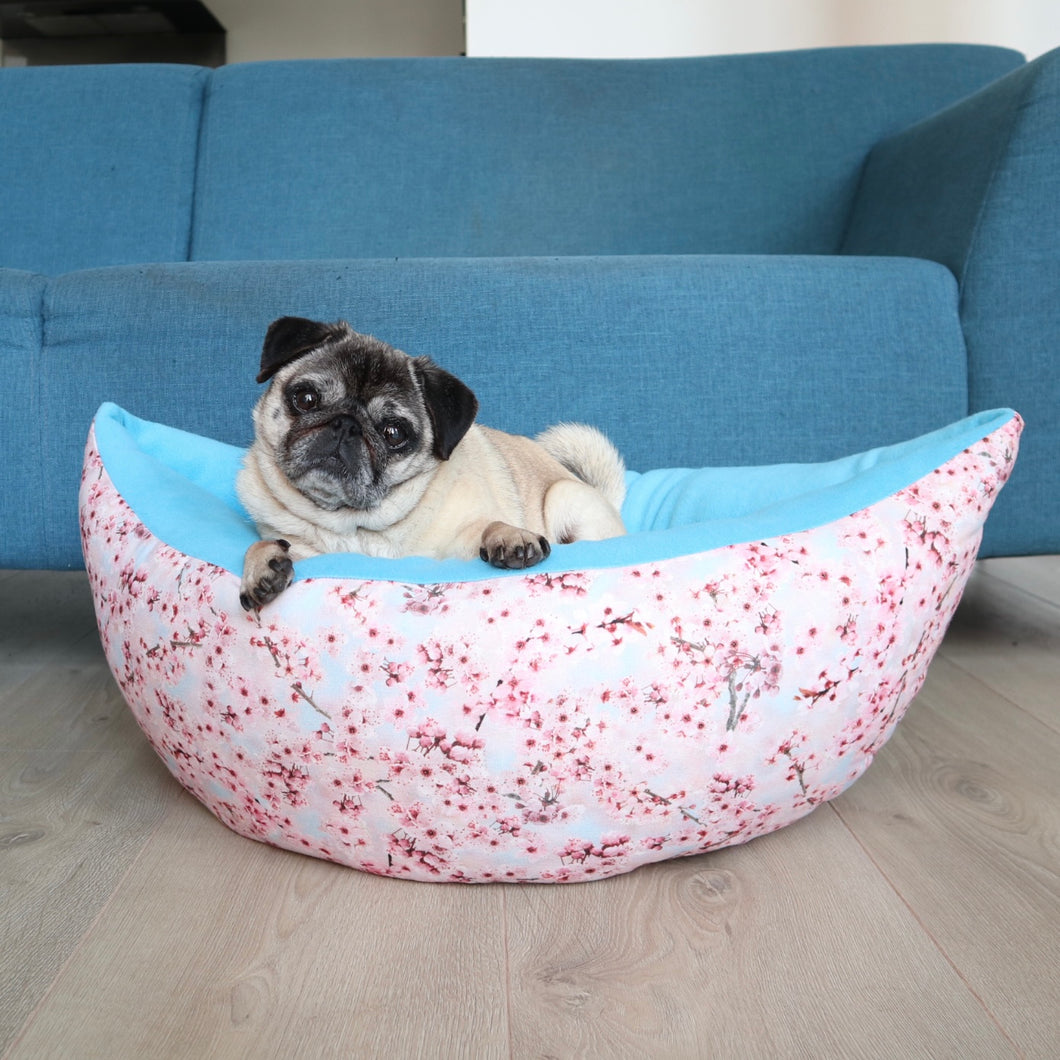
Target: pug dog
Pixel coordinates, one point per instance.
(359, 447)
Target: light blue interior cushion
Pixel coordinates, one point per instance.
(182, 487)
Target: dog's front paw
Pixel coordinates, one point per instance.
(267, 571)
(510, 548)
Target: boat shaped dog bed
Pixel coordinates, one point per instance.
(736, 660)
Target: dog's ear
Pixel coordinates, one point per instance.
(450, 403)
(290, 338)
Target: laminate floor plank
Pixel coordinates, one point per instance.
(45, 615)
(961, 812)
(1009, 639)
(80, 791)
(63, 707)
(791, 946)
(216, 946)
(1037, 575)
(71, 823)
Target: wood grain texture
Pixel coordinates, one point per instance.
(45, 616)
(916, 916)
(962, 814)
(1037, 576)
(79, 793)
(791, 946)
(217, 946)
(1009, 639)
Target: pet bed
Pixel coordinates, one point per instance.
(735, 661)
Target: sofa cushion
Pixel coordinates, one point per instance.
(97, 164)
(679, 359)
(476, 157)
(22, 471)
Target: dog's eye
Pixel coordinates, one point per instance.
(395, 436)
(304, 399)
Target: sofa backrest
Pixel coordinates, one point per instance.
(97, 164)
(126, 164)
(488, 157)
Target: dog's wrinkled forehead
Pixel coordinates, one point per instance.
(363, 365)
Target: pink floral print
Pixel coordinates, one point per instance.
(548, 727)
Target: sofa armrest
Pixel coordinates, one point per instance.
(977, 188)
(944, 188)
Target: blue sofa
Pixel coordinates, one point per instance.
(728, 260)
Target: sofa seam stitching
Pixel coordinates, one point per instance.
(43, 415)
(198, 162)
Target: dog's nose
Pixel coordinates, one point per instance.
(345, 427)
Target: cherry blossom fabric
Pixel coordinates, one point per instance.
(546, 726)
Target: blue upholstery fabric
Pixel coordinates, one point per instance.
(22, 506)
(682, 360)
(458, 157)
(977, 187)
(97, 164)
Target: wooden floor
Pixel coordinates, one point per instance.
(916, 916)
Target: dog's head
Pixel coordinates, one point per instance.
(347, 418)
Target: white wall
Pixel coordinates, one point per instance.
(631, 28)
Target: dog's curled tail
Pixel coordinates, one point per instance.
(589, 454)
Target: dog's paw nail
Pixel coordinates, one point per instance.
(513, 549)
(267, 572)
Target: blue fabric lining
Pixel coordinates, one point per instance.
(182, 487)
